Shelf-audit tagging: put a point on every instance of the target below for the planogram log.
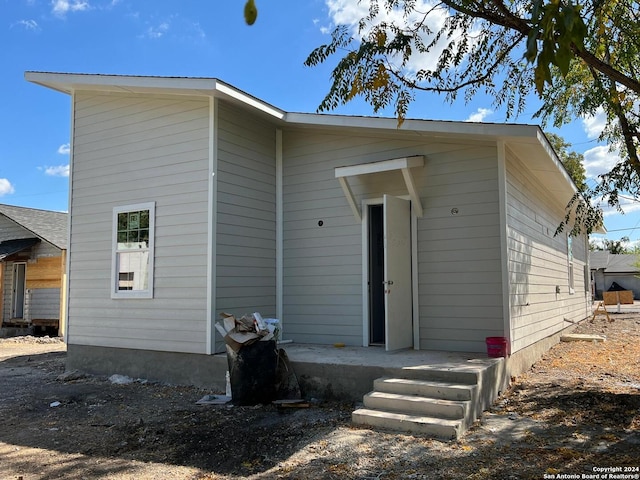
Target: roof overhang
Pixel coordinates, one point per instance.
(11, 247)
(527, 142)
(70, 83)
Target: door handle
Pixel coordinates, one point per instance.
(389, 282)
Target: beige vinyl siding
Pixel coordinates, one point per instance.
(457, 256)
(134, 149)
(42, 304)
(538, 262)
(322, 297)
(246, 214)
(459, 266)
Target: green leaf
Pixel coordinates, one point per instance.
(563, 60)
(532, 46)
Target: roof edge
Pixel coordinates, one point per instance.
(211, 87)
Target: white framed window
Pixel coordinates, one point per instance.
(133, 251)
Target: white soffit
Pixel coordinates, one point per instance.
(403, 164)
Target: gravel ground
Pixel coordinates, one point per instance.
(576, 411)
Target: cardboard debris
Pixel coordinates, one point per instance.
(237, 340)
(239, 332)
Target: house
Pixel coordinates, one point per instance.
(33, 245)
(607, 268)
(190, 198)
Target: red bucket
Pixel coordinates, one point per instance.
(496, 347)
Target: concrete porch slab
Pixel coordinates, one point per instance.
(348, 373)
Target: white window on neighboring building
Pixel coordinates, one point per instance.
(570, 264)
(133, 240)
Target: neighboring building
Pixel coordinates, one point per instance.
(33, 247)
(190, 198)
(607, 268)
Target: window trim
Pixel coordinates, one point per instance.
(129, 294)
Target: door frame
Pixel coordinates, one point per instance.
(365, 270)
(14, 286)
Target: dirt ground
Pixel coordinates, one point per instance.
(576, 411)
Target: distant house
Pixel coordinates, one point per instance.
(33, 246)
(607, 268)
(190, 197)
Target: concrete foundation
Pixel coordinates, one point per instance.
(323, 372)
(169, 367)
(522, 360)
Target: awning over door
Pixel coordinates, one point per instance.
(9, 247)
(403, 164)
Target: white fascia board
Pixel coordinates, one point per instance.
(383, 166)
(433, 127)
(211, 87)
(69, 82)
(544, 141)
(249, 100)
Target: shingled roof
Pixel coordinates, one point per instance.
(45, 224)
(619, 263)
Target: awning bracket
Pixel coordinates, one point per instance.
(404, 164)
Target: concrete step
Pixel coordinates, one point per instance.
(432, 427)
(425, 388)
(440, 373)
(416, 405)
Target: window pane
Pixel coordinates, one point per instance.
(133, 270)
(133, 237)
(144, 219)
(134, 221)
(122, 222)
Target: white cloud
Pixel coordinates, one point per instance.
(62, 7)
(594, 125)
(479, 115)
(347, 12)
(64, 149)
(57, 171)
(28, 24)
(350, 12)
(5, 187)
(599, 160)
(157, 32)
(627, 208)
(197, 31)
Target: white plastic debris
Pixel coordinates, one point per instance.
(120, 379)
(228, 384)
(54, 404)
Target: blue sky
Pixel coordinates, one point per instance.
(193, 38)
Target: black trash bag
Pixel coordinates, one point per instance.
(252, 373)
(287, 386)
(616, 288)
